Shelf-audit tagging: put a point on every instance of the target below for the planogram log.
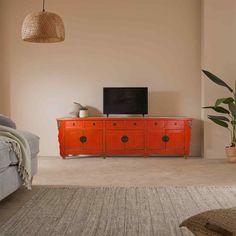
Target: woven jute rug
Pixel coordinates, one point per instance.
(113, 211)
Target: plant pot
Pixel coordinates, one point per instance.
(83, 113)
(231, 154)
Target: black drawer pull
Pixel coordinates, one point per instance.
(124, 139)
(114, 124)
(155, 123)
(83, 139)
(165, 138)
(135, 123)
(94, 124)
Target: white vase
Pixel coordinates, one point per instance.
(83, 113)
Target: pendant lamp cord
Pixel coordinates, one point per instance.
(43, 5)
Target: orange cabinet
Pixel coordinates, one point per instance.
(124, 136)
(154, 140)
(93, 141)
(169, 136)
(135, 140)
(72, 139)
(124, 141)
(114, 142)
(80, 137)
(175, 139)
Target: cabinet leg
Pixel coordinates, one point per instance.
(186, 157)
(104, 156)
(63, 154)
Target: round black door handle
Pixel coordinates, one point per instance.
(114, 124)
(124, 139)
(165, 138)
(83, 139)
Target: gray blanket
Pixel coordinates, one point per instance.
(18, 144)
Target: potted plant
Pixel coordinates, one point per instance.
(226, 107)
(83, 110)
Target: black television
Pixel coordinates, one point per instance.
(125, 100)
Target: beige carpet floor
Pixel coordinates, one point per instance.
(123, 172)
(11, 204)
(134, 172)
(114, 211)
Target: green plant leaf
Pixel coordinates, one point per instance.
(224, 100)
(232, 108)
(217, 80)
(218, 109)
(219, 122)
(219, 118)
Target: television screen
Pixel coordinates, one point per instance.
(128, 100)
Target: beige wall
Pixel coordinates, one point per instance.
(153, 43)
(4, 65)
(218, 56)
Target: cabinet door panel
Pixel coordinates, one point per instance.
(176, 139)
(72, 139)
(135, 140)
(94, 140)
(113, 140)
(154, 139)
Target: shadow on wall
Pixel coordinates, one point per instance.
(196, 148)
(94, 111)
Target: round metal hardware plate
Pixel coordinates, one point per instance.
(124, 139)
(165, 138)
(83, 139)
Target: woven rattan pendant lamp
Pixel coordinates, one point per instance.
(43, 27)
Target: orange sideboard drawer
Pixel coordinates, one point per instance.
(114, 124)
(73, 124)
(156, 124)
(174, 124)
(93, 124)
(133, 124)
